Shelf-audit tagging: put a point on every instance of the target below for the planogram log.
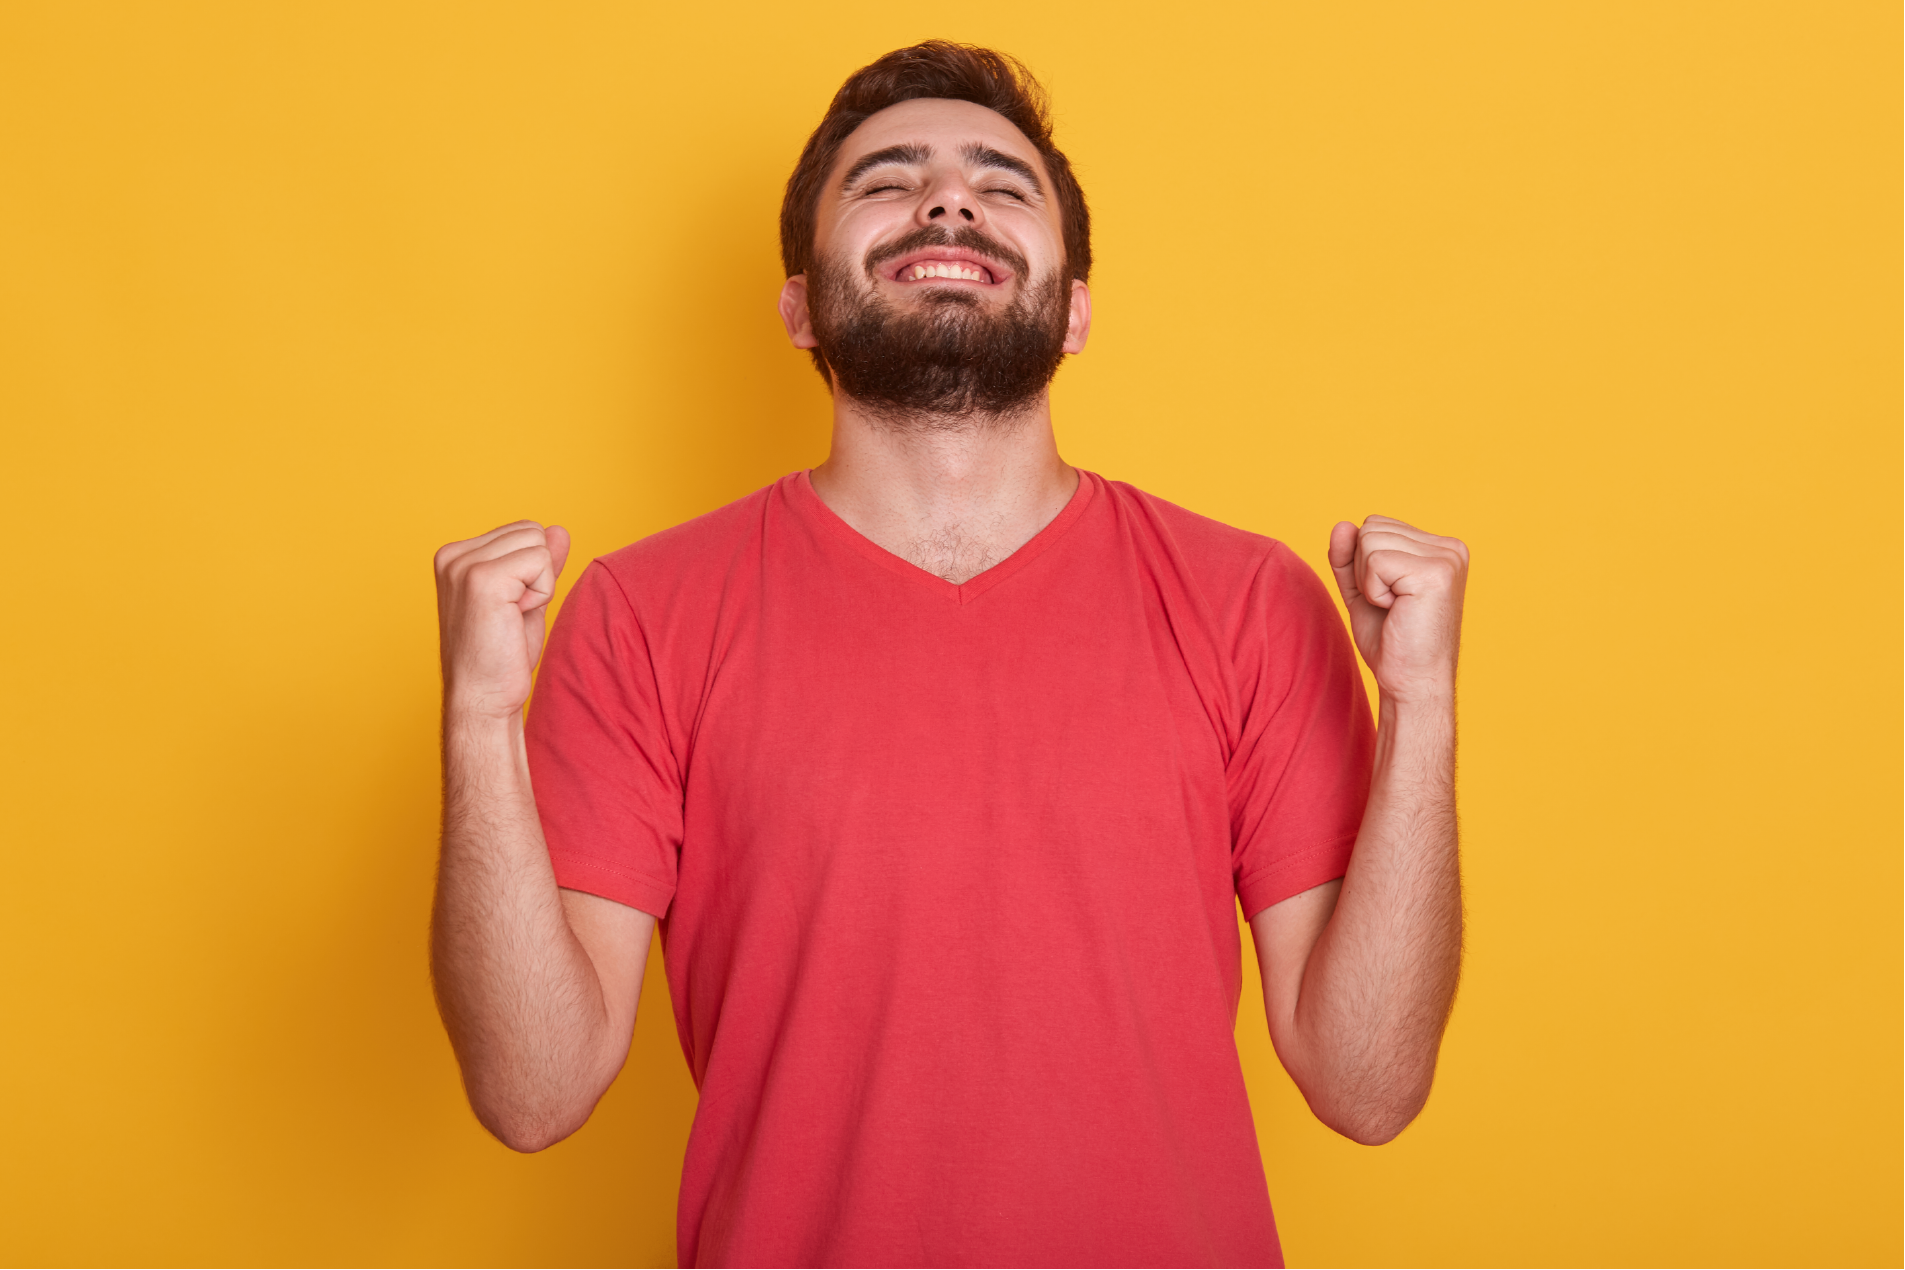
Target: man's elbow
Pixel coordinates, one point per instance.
(1372, 1118)
(525, 1129)
(1371, 1130)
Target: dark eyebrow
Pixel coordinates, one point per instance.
(910, 152)
(984, 156)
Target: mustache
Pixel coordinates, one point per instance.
(965, 237)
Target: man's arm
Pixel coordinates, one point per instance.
(1359, 974)
(537, 986)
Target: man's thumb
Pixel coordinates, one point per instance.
(1343, 559)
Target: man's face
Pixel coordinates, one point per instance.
(940, 285)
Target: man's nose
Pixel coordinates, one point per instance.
(949, 202)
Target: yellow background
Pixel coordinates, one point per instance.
(294, 292)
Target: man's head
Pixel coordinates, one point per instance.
(935, 240)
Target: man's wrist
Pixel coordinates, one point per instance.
(1415, 741)
(1433, 708)
(485, 756)
(470, 724)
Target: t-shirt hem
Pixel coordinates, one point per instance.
(581, 873)
(1294, 875)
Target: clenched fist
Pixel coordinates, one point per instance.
(1404, 592)
(493, 594)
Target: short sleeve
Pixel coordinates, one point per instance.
(1299, 776)
(607, 785)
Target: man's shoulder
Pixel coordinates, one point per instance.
(695, 547)
(1221, 556)
(1259, 592)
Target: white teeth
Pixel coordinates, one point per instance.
(946, 271)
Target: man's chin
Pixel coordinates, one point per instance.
(939, 355)
(926, 299)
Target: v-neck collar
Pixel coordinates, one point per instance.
(957, 592)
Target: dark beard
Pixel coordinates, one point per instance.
(950, 362)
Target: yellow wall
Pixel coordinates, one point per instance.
(292, 293)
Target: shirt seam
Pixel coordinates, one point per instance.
(574, 857)
(1257, 874)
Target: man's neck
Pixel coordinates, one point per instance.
(953, 500)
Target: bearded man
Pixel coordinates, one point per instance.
(944, 767)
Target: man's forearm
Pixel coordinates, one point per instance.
(522, 1001)
(1376, 990)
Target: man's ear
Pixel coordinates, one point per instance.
(1076, 330)
(800, 328)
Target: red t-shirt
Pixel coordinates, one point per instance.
(948, 874)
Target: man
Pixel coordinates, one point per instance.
(944, 767)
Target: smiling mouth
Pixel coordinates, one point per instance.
(961, 270)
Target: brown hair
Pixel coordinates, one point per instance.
(935, 68)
